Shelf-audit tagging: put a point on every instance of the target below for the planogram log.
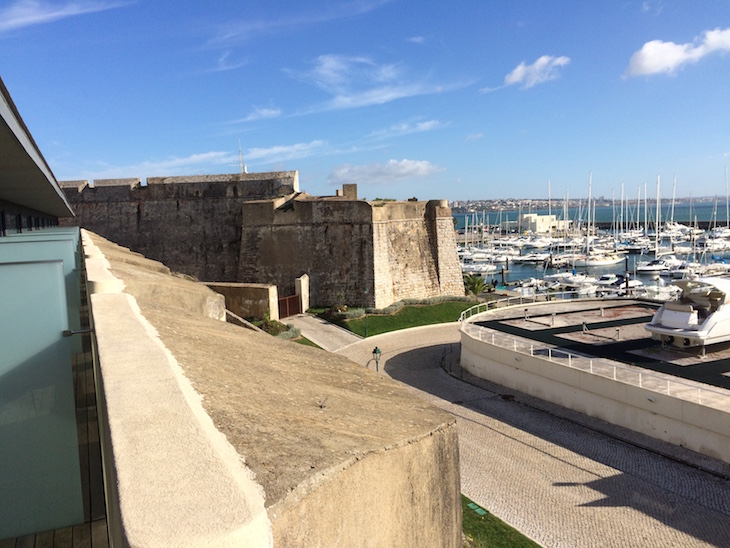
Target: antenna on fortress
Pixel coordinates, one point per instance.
(241, 165)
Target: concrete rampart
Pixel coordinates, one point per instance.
(249, 300)
(156, 433)
(416, 474)
(185, 400)
(702, 428)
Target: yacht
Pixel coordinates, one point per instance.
(699, 317)
(659, 264)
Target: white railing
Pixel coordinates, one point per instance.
(520, 300)
(708, 397)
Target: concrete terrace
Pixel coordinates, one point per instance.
(611, 330)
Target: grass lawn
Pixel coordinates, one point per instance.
(408, 316)
(305, 341)
(482, 529)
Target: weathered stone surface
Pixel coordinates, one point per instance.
(192, 224)
(344, 456)
(257, 228)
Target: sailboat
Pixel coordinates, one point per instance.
(593, 257)
(659, 263)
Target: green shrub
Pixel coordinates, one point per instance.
(291, 333)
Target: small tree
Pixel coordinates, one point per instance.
(475, 285)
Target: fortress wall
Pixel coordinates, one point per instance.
(409, 257)
(451, 279)
(330, 240)
(192, 224)
(409, 488)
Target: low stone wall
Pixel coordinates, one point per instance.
(684, 423)
(249, 300)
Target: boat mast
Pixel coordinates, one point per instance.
(674, 190)
(565, 215)
(656, 224)
(588, 229)
(646, 217)
(621, 215)
(613, 221)
(550, 209)
(727, 207)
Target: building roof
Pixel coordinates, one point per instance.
(25, 178)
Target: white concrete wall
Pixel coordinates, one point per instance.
(172, 478)
(678, 421)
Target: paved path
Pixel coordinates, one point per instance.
(554, 479)
(326, 335)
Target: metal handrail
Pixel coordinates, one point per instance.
(617, 372)
(519, 300)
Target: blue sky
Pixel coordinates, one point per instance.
(456, 100)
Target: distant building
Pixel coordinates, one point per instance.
(543, 224)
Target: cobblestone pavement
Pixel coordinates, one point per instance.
(548, 472)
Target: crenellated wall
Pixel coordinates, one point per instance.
(258, 228)
(192, 224)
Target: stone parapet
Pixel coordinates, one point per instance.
(214, 435)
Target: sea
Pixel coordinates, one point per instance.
(707, 212)
(683, 213)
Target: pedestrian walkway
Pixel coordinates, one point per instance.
(559, 477)
(324, 334)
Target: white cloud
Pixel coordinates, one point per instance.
(416, 40)
(657, 57)
(25, 13)
(390, 172)
(406, 128)
(357, 81)
(205, 162)
(542, 70)
(286, 152)
(247, 29)
(259, 113)
(200, 163)
(224, 62)
(474, 137)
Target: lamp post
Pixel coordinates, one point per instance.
(376, 357)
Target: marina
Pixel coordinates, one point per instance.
(640, 246)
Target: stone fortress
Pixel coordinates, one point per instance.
(260, 228)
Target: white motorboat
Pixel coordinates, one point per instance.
(699, 317)
(608, 279)
(535, 258)
(599, 259)
(659, 264)
(479, 269)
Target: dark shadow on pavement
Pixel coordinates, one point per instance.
(677, 494)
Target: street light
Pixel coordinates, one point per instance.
(376, 357)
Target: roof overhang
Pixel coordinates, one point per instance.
(25, 178)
